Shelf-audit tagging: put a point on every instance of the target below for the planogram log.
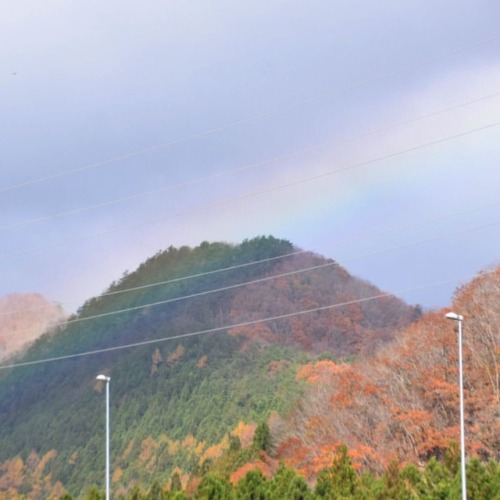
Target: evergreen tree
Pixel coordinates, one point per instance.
(95, 493)
(175, 482)
(262, 437)
(437, 481)
(482, 485)
(252, 487)
(234, 443)
(278, 485)
(287, 484)
(394, 484)
(176, 495)
(213, 488)
(340, 480)
(156, 492)
(298, 490)
(135, 493)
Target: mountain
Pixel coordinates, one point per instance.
(200, 344)
(23, 318)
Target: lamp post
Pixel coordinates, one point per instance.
(459, 318)
(106, 379)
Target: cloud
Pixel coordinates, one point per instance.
(97, 80)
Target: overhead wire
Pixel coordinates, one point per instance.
(236, 325)
(254, 194)
(270, 259)
(264, 279)
(259, 116)
(260, 163)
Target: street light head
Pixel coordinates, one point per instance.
(103, 377)
(454, 316)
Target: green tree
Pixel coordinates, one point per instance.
(483, 481)
(234, 443)
(175, 482)
(340, 480)
(252, 486)
(135, 493)
(287, 484)
(176, 495)
(298, 490)
(156, 492)
(451, 459)
(394, 484)
(262, 437)
(213, 488)
(437, 481)
(95, 493)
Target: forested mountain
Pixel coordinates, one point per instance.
(204, 345)
(184, 393)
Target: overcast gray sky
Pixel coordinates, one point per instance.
(222, 120)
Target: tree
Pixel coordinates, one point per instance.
(252, 486)
(175, 482)
(213, 488)
(234, 443)
(262, 437)
(395, 486)
(340, 480)
(156, 492)
(135, 493)
(287, 484)
(483, 482)
(95, 494)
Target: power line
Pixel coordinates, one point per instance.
(262, 280)
(282, 109)
(245, 167)
(254, 194)
(237, 325)
(291, 254)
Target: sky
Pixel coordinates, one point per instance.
(364, 131)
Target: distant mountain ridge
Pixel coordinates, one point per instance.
(23, 318)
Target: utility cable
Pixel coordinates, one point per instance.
(243, 121)
(265, 279)
(237, 325)
(254, 194)
(278, 257)
(205, 179)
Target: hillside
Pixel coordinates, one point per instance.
(402, 404)
(23, 318)
(207, 364)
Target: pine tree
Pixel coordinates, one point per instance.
(252, 487)
(262, 437)
(213, 488)
(340, 480)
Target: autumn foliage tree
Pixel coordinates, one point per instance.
(402, 404)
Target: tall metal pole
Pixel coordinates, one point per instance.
(107, 439)
(106, 379)
(459, 318)
(462, 424)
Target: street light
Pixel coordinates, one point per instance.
(459, 318)
(106, 379)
